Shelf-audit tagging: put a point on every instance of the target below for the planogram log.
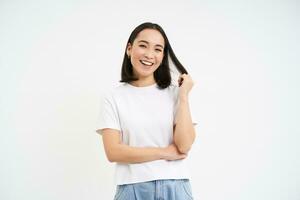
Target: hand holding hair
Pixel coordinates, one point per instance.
(185, 83)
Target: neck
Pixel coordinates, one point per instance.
(143, 82)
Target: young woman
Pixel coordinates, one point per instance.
(146, 124)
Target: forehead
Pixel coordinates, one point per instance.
(152, 36)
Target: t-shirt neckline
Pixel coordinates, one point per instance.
(142, 87)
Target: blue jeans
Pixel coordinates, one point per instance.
(166, 189)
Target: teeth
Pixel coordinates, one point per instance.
(146, 63)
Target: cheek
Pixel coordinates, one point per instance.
(160, 58)
(137, 52)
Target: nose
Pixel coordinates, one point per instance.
(149, 54)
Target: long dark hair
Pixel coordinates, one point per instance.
(162, 74)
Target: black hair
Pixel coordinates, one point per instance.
(162, 74)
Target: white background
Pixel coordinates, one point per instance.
(57, 57)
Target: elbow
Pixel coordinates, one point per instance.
(184, 149)
(111, 159)
(111, 155)
(184, 143)
(115, 154)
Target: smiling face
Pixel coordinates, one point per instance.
(146, 53)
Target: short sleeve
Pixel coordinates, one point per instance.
(191, 106)
(108, 114)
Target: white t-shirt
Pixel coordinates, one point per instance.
(145, 118)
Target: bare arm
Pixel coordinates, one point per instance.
(184, 132)
(122, 153)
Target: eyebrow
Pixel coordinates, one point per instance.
(148, 43)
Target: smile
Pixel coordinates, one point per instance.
(146, 63)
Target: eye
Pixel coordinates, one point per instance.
(158, 50)
(142, 45)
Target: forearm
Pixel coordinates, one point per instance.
(123, 153)
(184, 132)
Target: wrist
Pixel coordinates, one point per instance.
(161, 153)
(183, 97)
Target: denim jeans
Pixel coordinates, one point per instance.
(166, 189)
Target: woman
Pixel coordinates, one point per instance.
(146, 124)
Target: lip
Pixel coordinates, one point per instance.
(147, 61)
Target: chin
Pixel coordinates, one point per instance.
(145, 74)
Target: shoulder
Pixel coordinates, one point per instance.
(111, 93)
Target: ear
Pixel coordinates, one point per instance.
(128, 49)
